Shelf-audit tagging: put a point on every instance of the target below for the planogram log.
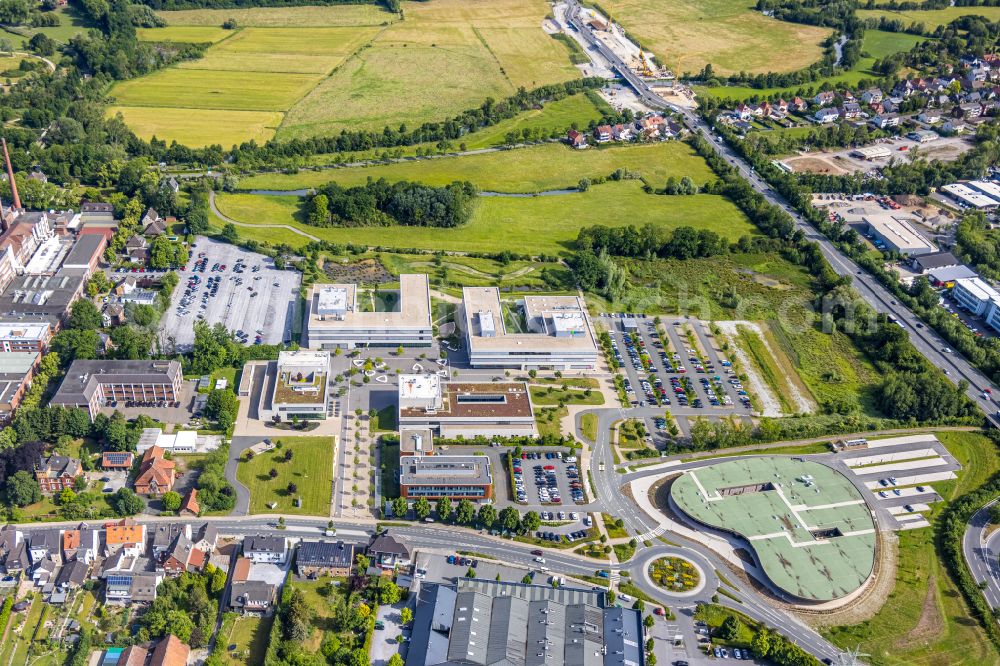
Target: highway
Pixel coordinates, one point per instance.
(926, 341)
(982, 554)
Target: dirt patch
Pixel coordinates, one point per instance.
(366, 271)
(930, 624)
(814, 165)
(769, 403)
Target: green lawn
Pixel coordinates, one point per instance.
(879, 44)
(588, 426)
(385, 419)
(527, 170)
(512, 222)
(249, 635)
(925, 621)
(311, 470)
(548, 420)
(614, 532)
(389, 457)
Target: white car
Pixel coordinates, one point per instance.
(540, 560)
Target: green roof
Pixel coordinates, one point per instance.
(810, 527)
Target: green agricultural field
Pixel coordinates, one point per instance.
(350, 67)
(688, 34)
(879, 44)
(547, 224)
(310, 469)
(71, 23)
(528, 170)
(199, 127)
(203, 89)
(924, 620)
(932, 18)
(192, 34)
(283, 17)
(285, 50)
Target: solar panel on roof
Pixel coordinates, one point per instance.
(119, 580)
(116, 457)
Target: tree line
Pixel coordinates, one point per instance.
(380, 203)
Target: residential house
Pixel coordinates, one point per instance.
(137, 249)
(113, 315)
(164, 536)
(799, 104)
(602, 133)
(57, 472)
(576, 139)
(156, 474)
(762, 110)
(850, 110)
(125, 535)
(824, 98)
(970, 110)
(117, 460)
(189, 505)
(152, 224)
(182, 556)
(929, 116)
(81, 543)
(781, 106)
(744, 111)
(266, 549)
(134, 655)
(252, 597)
(143, 588)
(43, 545)
(324, 558)
(17, 560)
(621, 132)
(826, 115)
(884, 120)
(387, 552)
(206, 538)
(170, 652)
(43, 573)
(954, 127)
(871, 96)
(72, 575)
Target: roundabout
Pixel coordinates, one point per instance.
(676, 576)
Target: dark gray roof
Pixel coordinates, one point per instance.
(250, 591)
(42, 298)
(261, 543)
(382, 543)
(47, 539)
(84, 249)
(73, 572)
(936, 260)
(58, 465)
(84, 376)
(511, 624)
(325, 554)
(209, 532)
(165, 534)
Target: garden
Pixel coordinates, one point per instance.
(674, 574)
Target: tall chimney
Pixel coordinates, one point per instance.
(10, 176)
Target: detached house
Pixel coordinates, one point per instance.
(324, 558)
(156, 474)
(602, 133)
(744, 112)
(57, 472)
(189, 506)
(850, 110)
(824, 98)
(252, 597)
(576, 139)
(871, 96)
(387, 552)
(930, 116)
(153, 224)
(827, 115)
(799, 104)
(183, 556)
(884, 120)
(137, 249)
(261, 549)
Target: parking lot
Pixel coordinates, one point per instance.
(664, 368)
(241, 290)
(547, 479)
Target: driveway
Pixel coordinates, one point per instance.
(384, 643)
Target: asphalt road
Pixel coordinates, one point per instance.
(982, 553)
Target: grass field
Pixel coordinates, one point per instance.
(759, 355)
(506, 222)
(554, 395)
(348, 67)
(588, 426)
(71, 23)
(283, 17)
(877, 44)
(183, 33)
(311, 469)
(688, 34)
(249, 635)
(925, 622)
(932, 18)
(189, 126)
(473, 271)
(528, 170)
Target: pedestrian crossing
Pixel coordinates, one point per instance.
(652, 534)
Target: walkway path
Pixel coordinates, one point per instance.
(219, 214)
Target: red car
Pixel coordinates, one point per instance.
(659, 611)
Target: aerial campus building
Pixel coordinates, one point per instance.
(297, 386)
(93, 384)
(455, 477)
(485, 622)
(547, 332)
(467, 409)
(809, 527)
(341, 315)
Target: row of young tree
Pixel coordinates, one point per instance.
(381, 203)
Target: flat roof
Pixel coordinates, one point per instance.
(83, 376)
(810, 527)
(84, 250)
(950, 273)
(969, 196)
(873, 151)
(416, 440)
(419, 387)
(978, 288)
(32, 331)
(987, 187)
(899, 233)
(478, 400)
(444, 470)
(49, 256)
(554, 323)
(414, 306)
(17, 363)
